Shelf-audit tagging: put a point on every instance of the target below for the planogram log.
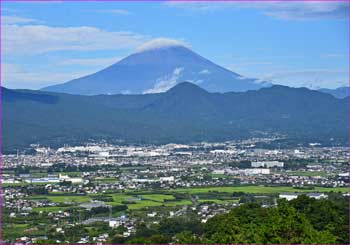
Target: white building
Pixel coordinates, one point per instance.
(143, 180)
(67, 178)
(291, 196)
(43, 180)
(218, 171)
(267, 164)
(317, 195)
(114, 223)
(254, 171)
(288, 196)
(167, 179)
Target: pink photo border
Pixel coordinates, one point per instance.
(1, 135)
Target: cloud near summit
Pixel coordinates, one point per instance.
(159, 43)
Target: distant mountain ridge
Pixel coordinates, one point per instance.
(154, 70)
(185, 113)
(341, 92)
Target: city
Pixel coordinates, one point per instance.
(119, 187)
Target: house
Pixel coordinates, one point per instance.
(317, 195)
(289, 196)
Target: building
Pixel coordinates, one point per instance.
(218, 171)
(291, 196)
(256, 171)
(267, 164)
(317, 195)
(67, 178)
(167, 179)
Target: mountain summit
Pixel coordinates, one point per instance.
(156, 67)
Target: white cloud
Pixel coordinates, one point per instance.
(289, 73)
(335, 55)
(280, 73)
(178, 71)
(16, 20)
(312, 78)
(16, 76)
(90, 61)
(200, 6)
(165, 83)
(22, 38)
(160, 43)
(198, 82)
(116, 11)
(204, 72)
(241, 77)
(306, 10)
(125, 92)
(281, 10)
(39, 39)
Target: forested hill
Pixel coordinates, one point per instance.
(301, 221)
(185, 113)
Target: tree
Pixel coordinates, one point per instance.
(187, 237)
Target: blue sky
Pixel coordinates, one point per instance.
(290, 43)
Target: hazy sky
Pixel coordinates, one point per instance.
(291, 43)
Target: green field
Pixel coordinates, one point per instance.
(68, 199)
(143, 204)
(146, 200)
(258, 189)
(219, 175)
(178, 203)
(304, 173)
(137, 200)
(217, 201)
(23, 184)
(50, 209)
(119, 198)
(105, 180)
(158, 197)
(14, 230)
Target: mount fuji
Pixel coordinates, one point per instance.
(156, 67)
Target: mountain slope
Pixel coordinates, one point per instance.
(340, 93)
(156, 70)
(185, 113)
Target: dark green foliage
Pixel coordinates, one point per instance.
(167, 229)
(187, 237)
(99, 210)
(103, 198)
(185, 113)
(34, 190)
(240, 164)
(118, 208)
(330, 215)
(301, 221)
(154, 239)
(170, 227)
